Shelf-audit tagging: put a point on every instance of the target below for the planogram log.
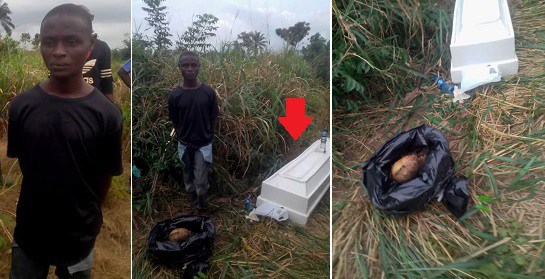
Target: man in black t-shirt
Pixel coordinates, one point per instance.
(193, 109)
(67, 137)
(97, 70)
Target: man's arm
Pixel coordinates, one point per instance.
(14, 135)
(125, 77)
(14, 140)
(124, 73)
(172, 111)
(214, 111)
(214, 123)
(106, 80)
(112, 150)
(105, 185)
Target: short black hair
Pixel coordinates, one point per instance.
(187, 53)
(73, 9)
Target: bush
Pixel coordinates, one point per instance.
(249, 143)
(382, 53)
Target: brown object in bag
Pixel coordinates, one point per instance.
(179, 235)
(408, 167)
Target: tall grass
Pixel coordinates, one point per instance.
(383, 49)
(496, 141)
(18, 72)
(249, 143)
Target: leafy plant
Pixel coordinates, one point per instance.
(383, 49)
(157, 19)
(294, 34)
(196, 36)
(5, 19)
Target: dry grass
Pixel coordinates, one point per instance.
(496, 140)
(264, 249)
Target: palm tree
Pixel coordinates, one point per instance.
(258, 41)
(5, 20)
(253, 41)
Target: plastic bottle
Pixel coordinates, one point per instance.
(323, 140)
(447, 88)
(248, 205)
(136, 172)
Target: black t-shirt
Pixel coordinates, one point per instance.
(97, 70)
(67, 148)
(191, 111)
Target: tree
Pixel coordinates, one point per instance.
(316, 47)
(36, 41)
(317, 54)
(294, 34)
(25, 38)
(5, 20)
(157, 20)
(254, 42)
(125, 51)
(196, 36)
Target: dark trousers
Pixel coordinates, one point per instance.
(23, 267)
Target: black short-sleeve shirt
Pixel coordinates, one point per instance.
(192, 111)
(66, 148)
(97, 70)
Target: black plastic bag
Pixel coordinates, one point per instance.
(192, 253)
(434, 181)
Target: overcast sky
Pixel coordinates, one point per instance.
(112, 17)
(236, 16)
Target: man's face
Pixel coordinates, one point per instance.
(189, 66)
(65, 41)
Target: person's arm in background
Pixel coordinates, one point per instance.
(124, 72)
(105, 67)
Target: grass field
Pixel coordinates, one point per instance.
(249, 146)
(496, 139)
(19, 71)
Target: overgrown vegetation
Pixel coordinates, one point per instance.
(5, 19)
(250, 144)
(384, 51)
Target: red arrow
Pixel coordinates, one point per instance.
(295, 120)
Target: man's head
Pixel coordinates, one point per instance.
(66, 38)
(189, 65)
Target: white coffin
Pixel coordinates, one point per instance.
(300, 184)
(482, 35)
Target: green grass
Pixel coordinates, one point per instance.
(249, 145)
(381, 50)
(242, 249)
(496, 141)
(18, 72)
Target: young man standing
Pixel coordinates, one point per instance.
(193, 109)
(67, 137)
